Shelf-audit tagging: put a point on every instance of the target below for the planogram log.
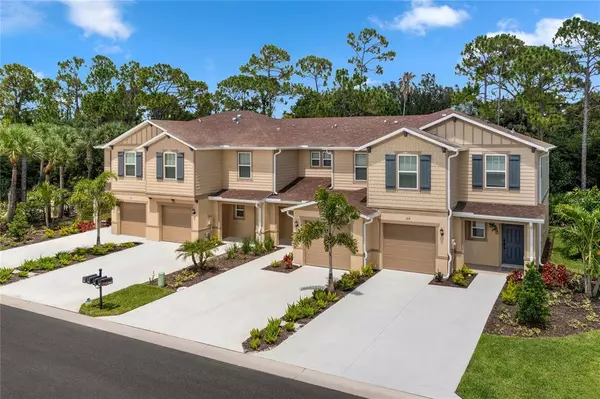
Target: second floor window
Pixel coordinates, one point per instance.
(170, 165)
(495, 171)
(315, 159)
(408, 171)
(130, 163)
(244, 165)
(360, 166)
(327, 160)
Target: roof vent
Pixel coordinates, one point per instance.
(385, 121)
(236, 119)
(278, 129)
(335, 125)
(443, 114)
(395, 122)
(512, 130)
(199, 120)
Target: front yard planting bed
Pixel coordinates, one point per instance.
(124, 300)
(461, 278)
(304, 310)
(36, 234)
(46, 264)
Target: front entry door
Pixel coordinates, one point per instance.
(512, 244)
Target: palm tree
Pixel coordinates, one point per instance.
(581, 230)
(91, 197)
(47, 194)
(198, 250)
(15, 141)
(335, 214)
(42, 130)
(63, 154)
(406, 88)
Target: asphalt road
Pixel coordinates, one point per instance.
(43, 357)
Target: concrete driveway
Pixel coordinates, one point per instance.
(398, 332)
(63, 288)
(221, 311)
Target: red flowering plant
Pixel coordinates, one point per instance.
(288, 260)
(555, 275)
(516, 276)
(85, 225)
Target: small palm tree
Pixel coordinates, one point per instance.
(581, 230)
(46, 195)
(199, 250)
(63, 154)
(406, 88)
(16, 141)
(335, 214)
(91, 197)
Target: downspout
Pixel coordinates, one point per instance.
(331, 153)
(540, 184)
(368, 220)
(449, 227)
(531, 242)
(540, 249)
(258, 206)
(275, 170)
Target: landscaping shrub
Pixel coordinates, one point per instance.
(199, 250)
(576, 283)
(288, 260)
(29, 265)
(98, 250)
(555, 275)
(466, 271)
(532, 298)
(509, 294)
(85, 225)
(307, 307)
(68, 230)
(516, 276)
(77, 258)
(64, 258)
(459, 279)
(255, 333)
(254, 344)
(33, 210)
(23, 274)
(5, 273)
(258, 247)
(271, 331)
(319, 294)
(367, 270)
(215, 240)
(81, 251)
(232, 251)
(269, 244)
(127, 245)
(347, 281)
(110, 246)
(46, 263)
(19, 225)
(246, 247)
(439, 277)
(276, 263)
(332, 297)
(292, 312)
(321, 303)
(290, 326)
(49, 233)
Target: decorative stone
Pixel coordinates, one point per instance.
(181, 289)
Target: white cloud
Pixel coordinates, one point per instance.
(39, 75)
(507, 24)
(103, 18)
(19, 16)
(544, 32)
(373, 82)
(108, 49)
(424, 15)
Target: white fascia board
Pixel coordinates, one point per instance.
(299, 206)
(233, 200)
(406, 130)
(282, 202)
(127, 134)
(468, 215)
(370, 217)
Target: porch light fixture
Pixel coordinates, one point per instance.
(441, 232)
(193, 211)
(296, 224)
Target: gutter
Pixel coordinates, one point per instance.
(235, 201)
(541, 200)
(258, 206)
(498, 218)
(369, 220)
(449, 227)
(275, 170)
(331, 153)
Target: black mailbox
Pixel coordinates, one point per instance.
(98, 280)
(105, 281)
(87, 279)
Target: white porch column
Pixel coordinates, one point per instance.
(531, 257)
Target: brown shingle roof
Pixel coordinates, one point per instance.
(515, 211)
(245, 195)
(302, 189)
(358, 198)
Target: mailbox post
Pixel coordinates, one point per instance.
(98, 280)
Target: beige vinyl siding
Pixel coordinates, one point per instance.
(304, 169)
(141, 135)
(287, 168)
(379, 196)
(454, 177)
(128, 184)
(466, 134)
(107, 165)
(179, 188)
(343, 171)
(209, 171)
(262, 171)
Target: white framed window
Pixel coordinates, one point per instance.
(327, 160)
(244, 165)
(240, 212)
(360, 166)
(478, 230)
(170, 165)
(408, 171)
(495, 171)
(130, 163)
(315, 159)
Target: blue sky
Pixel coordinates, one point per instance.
(210, 40)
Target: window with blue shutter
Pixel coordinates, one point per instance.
(139, 164)
(477, 171)
(425, 172)
(121, 163)
(159, 165)
(514, 172)
(390, 171)
(180, 156)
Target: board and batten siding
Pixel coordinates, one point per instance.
(287, 168)
(304, 169)
(176, 188)
(262, 171)
(343, 171)
(209, 171)
(467, 134)
(380, 197)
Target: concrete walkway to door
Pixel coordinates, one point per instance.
(398, 332)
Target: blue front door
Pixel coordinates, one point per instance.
(512, 244)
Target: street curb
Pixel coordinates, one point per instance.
(212, 352)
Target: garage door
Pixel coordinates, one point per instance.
(316, 256)
(409, 248)
(176, 223)
(133, 219)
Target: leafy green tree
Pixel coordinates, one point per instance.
(368, 47)
(335, 214)
(48, 106)
(238, 93)
(63, 156)
(581, 38)
(18, 91)
(15, 141)
(406, 88)
(532, 298)
(100, 103)
(91, 198)
(315, 68)
(130, 93)
(46, 195)
(72, 85)
(199, 250)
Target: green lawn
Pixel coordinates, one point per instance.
(559, 256)
(508, 367)
(124, 300)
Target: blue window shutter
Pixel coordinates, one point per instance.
(121, 163)
(425, 172)
(390, 171)
(139, 164)
(159, 165)
(514, 172)
(180, 156)
(477, 171)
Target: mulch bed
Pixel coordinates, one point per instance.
(448, 282)
(284, 334)
(37, 234)
(216, 266)
(569, 315)
(282, 268)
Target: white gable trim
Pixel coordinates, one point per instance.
(128, 133)
(406, 130)
(486, 127)
(163, 135)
